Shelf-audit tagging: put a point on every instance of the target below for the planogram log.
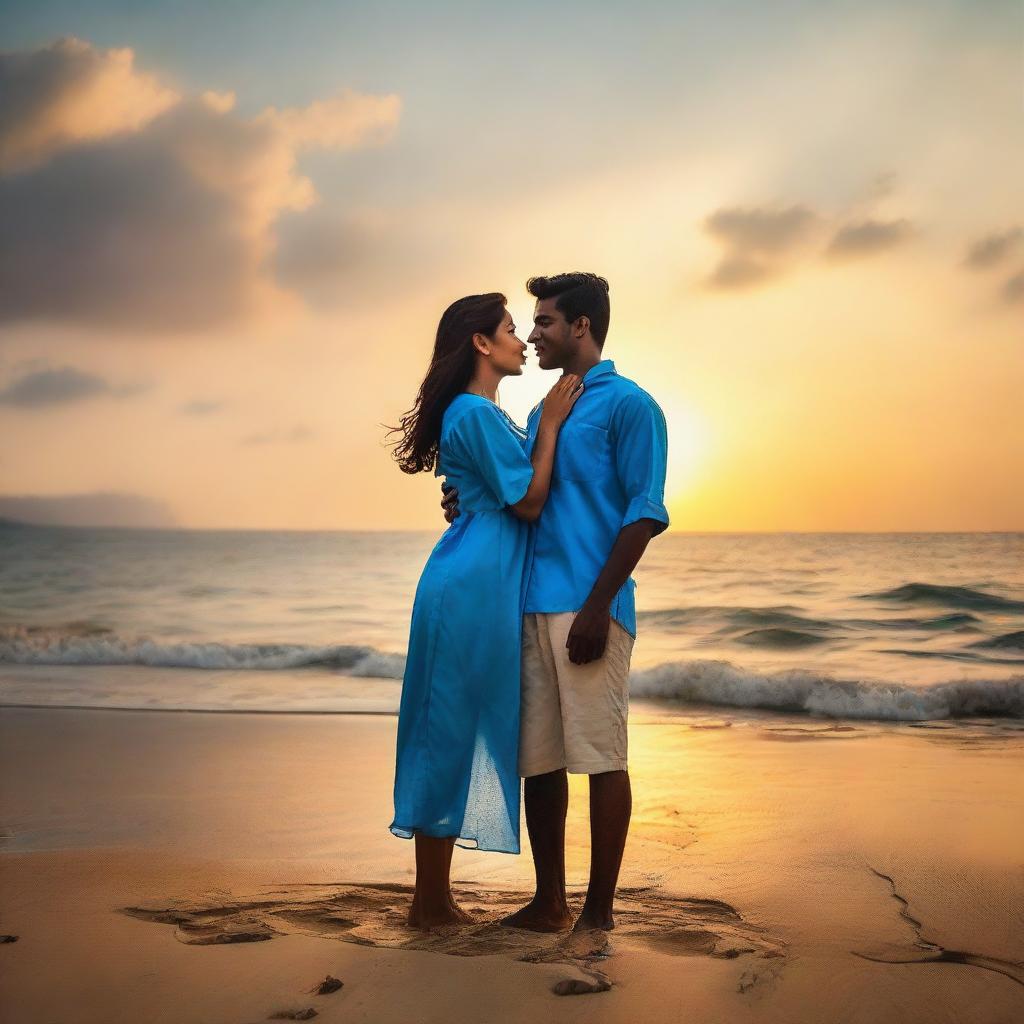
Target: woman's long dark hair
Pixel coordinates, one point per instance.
(450, 371)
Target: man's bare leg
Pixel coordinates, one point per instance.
(611, 803)
(547, 801)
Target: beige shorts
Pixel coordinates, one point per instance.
(572, 716)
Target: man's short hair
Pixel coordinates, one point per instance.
(577, 294)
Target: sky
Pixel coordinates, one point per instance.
(228, 230)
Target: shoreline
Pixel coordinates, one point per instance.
(666, 710)
(199, 711)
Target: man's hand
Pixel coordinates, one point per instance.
(450, 502)
(588, 634)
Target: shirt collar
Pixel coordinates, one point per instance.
(599, 370)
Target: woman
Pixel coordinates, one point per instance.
(456, 777)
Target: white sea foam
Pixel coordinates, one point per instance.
(797, 690)
(21, 646)
(380, 665)
(694, 682)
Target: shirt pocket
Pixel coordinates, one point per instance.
(583, 452)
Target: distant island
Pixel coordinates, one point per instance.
(98, 509)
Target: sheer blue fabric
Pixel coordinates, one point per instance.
(456, 768)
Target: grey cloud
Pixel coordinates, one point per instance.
(67, 91)
(334, 260)
(321, 256)
(761, 229)
(124, 206)
(201, 407)
(738, 272)
(759, 241)
(58, 387)
(1013, 288)
(867, 237)
(120, 233)
(993, 249)
(99, 508)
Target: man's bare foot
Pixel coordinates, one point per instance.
(536, 917)
(589, 919)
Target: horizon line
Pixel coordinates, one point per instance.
(20, 523)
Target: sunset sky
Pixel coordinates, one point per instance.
(227, 232)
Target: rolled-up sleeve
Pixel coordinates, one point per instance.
(641, 458)
(487, 440)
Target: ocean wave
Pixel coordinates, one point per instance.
(780, 638)
(952, 655)
(782, 616)
(1012, 640)
(952, 597)
(956, 622)
(786, 617)
(724, 684)
(33, 645)
(712, 682)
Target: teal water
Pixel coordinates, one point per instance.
(889, 626)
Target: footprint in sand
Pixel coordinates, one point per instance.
(375, 915)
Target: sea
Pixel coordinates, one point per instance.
(901, 627)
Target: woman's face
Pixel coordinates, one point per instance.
(505, 351)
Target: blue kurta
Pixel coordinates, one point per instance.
(458, 724)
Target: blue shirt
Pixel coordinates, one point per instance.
(609, 471)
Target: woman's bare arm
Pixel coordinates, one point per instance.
(557, 406)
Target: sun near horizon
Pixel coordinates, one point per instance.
(224, 269)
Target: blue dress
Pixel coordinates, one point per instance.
(458, 724)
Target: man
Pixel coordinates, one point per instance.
(606, 503)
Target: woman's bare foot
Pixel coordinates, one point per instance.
(437, 917)
(537, 917)
(452, 913)
(464, 916)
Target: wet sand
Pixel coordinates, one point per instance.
(218, 867)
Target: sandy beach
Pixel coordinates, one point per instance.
(214, 868)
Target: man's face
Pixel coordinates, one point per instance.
(552, 336)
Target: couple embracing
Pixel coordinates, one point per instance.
(524, 618)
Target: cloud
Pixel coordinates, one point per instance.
(993, 249)
(867, 237)
(162, 222)
(69, 92)
(760, 229)
(316, 253)
(739, 272)
(334, 260)
(100, 508)
(59, 387)
(761, 243)
(1013, 288)
(201, 407)
(757, 240)
(347, 121)
(293, 435)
